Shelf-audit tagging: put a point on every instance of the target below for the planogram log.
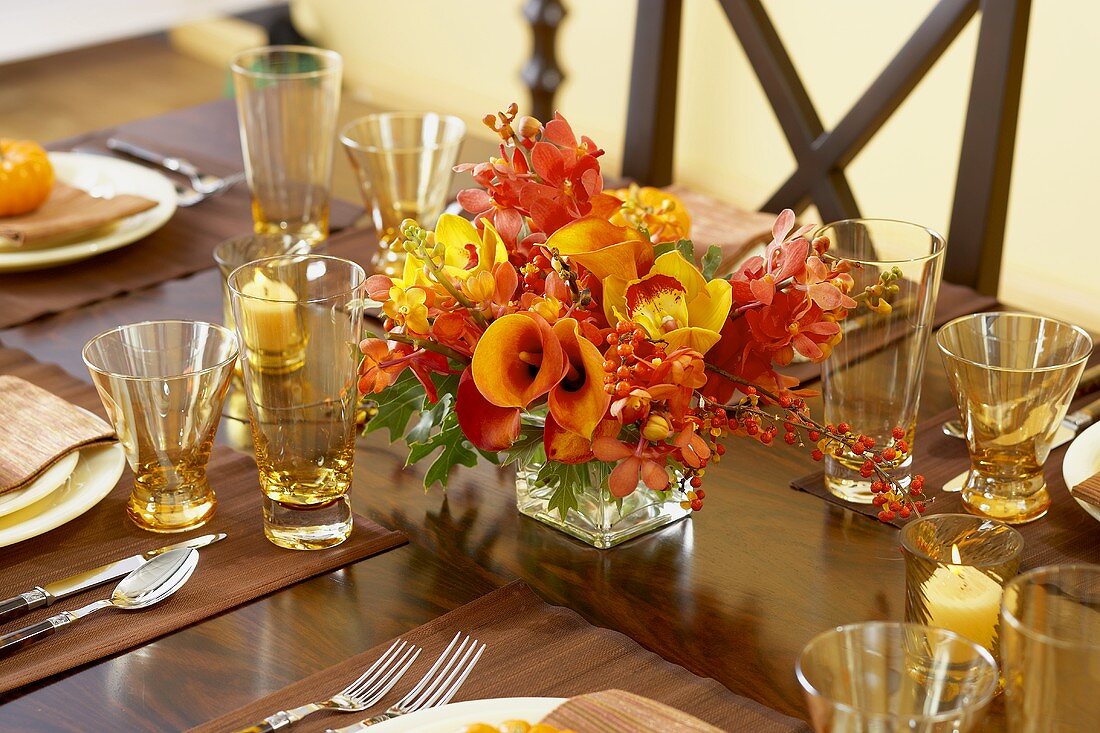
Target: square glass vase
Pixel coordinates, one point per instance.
(595, 517)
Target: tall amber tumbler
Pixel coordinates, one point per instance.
(299, 319)
(1013, 376)
(287, 99)
(872, 378)
(163, 384)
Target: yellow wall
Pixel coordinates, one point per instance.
(463, 57)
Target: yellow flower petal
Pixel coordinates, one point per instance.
(674, 265)
(700, 339)
(711, 308)
(454, 233)
(614, 299)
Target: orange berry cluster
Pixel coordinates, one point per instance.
(623, 370)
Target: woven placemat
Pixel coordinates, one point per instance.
(240, 568)
(532, 650)
(1066, 534)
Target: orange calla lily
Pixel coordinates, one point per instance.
(578, 402)
(603, 248)
(674, 303)
(517, 360)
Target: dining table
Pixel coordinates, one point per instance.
(734, 593)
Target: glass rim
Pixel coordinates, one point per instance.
(1030, 632)
(909, 545)
(216, 327)
(979, 700)
(223, 262)
(939, 243)
(1018, 315)
(356, 267)
(347, 141)
(337, 62)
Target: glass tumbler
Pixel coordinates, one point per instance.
(872, 378)
(163, 384)
(1051, 649)
(236, 251)
(404, 162)
(287, 99)
(299, 319)
(1013, 376)
(891, 677)
(955, 568)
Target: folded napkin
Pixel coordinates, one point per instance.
(37, 428)
(67, 212)
(1088, 490)
(615, 711)
(713, 221)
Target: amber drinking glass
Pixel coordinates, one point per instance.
(232, 253)
(404, 162)
(163, 384)
(1013, 376)
(885, 677)
(872, 378)
(956, 566)
(1050, 646)
(299, 319)
(287, 98)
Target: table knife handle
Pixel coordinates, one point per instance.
(1090, 381)
(23, 603)
(24, 637)
(262, 727)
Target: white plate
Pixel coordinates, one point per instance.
(101, 175)
(1083, 460)
(51, 479)
(97, 472)
(452, 718)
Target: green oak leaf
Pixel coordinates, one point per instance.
(711, 260)
(396, 406)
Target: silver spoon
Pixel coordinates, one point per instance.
(151, 583)
(953, 429)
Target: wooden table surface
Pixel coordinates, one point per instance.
(734, 593)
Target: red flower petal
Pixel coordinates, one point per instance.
(487, 426)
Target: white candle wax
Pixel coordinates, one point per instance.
(964, 600)
(269, 325)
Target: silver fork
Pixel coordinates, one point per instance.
(435, 688)
(203, 183)
(361, 694)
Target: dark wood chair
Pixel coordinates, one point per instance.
(976, 232)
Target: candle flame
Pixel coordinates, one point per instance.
(956, 560)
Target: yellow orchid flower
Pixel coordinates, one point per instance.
(465, 251)
(673, 303)
(408, 308)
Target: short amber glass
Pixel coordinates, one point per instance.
(872, 378)
(1050, 647)
(299, 319)
(404, 162)
(956, 566)
(1013, 376)
(163, 384)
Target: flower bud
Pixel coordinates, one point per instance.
(480, 287)
(529, 127)
(656, 428)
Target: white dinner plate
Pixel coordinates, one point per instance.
(454, 717)
(96, 472)
(1083, 460)
(101, 175)
(46, 483)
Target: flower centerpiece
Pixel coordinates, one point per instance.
(573, 332)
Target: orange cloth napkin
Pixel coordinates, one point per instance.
(716, 222)
(1088, 490)
(67, 212)
(615, 711)
(38, 428)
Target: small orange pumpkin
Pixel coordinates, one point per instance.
(26, 176)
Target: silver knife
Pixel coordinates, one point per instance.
(1072, 424)
(45, 595)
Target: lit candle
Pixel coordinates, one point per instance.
(269, 316)
(963, 599)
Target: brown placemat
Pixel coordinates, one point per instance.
(183, 246)
(533, 650)
(240, 568)
(615, 711)
(953, 301)
(1066, 534)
